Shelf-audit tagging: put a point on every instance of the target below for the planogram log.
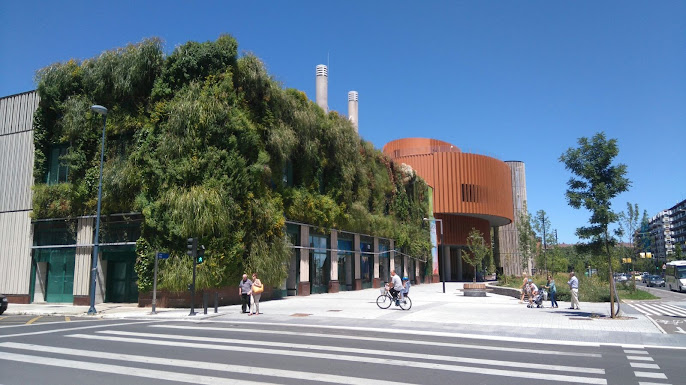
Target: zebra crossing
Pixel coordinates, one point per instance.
(223, 355)
(659, 309)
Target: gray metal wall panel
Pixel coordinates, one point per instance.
(16, 179)
(15, 253)
(16, 171)
(16, 112)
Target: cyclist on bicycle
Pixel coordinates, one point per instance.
(396, 287)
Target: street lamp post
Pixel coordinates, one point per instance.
(100, 110)
(441, 259)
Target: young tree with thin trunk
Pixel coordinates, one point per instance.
(595, 182)
(527, 239)
(479, 249)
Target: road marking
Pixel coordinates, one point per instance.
(422, 333)
(650, 375)
(70, 329)
(675, 309)
(377, 339)
(125, 370)
(660, 309)
(639, 358)
(449, 334)
(641, 365)
(652, 383)
(329, 348)
(243, 369)
(56, 322)
(371, 360)
(635, 352)
(32, 320)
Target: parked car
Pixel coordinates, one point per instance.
(3, 303)
(655, 280)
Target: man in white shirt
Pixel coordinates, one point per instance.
(396, 286)
(574, 287)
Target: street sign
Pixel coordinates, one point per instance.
(162, 255)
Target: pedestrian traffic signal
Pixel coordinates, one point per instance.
(192, 247)
(200, 258)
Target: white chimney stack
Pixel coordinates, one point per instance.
(322, 87)
(352, 109)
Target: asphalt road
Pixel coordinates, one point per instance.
(250, 352)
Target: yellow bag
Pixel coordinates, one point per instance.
(257, 289)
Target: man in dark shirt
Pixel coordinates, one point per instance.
(244, 290)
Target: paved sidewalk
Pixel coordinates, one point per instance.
(431, 308)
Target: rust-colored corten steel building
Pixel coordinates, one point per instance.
(469, 191)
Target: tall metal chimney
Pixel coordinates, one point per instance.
(322, 87)
(352, 109)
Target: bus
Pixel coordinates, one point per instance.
(675, 275)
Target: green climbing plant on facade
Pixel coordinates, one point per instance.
(204, 142)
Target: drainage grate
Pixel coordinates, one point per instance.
(335, 310)
(300, 315)
(580, 319)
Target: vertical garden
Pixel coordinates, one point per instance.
(203, 142)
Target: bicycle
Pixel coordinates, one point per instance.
(385, 300)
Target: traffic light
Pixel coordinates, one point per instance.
(192, 247)
(200, 258)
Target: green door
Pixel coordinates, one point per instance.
(121, 282)
(60, 277)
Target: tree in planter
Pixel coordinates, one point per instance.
(595, 183)
(479, 249)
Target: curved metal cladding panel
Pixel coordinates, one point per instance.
(471, 185)
(457, 228)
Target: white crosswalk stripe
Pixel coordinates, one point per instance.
(380, 339)
(659, 309)
(85, 356)
(330, 348)
(241, 369)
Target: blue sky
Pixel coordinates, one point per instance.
(516, 80)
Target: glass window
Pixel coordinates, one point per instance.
(320, 265)
(366, 264)
(345, 264)
(384, 263)
(57, 171)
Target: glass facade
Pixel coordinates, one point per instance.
(57, 172)
(320, 265)
(346, 268)
(59, 281)
(366, 264)
(384, 263)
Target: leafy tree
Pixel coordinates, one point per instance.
(677, 255)
(595, 183)
(542, 227)
(527, 239)
(479, 249)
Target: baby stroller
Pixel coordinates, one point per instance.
(541, 296)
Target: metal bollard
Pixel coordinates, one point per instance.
(204, 301)
(216, 302)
